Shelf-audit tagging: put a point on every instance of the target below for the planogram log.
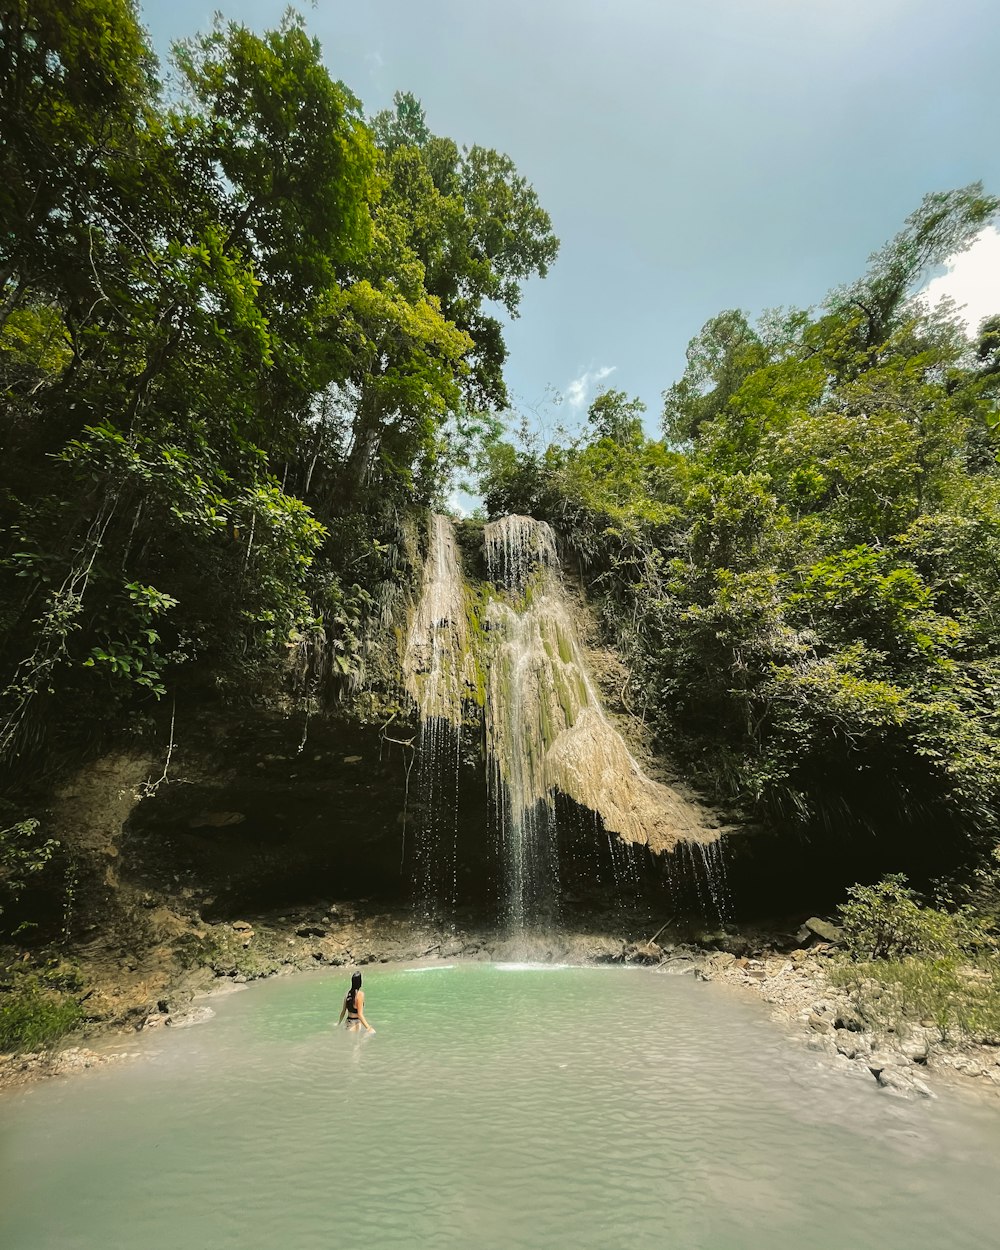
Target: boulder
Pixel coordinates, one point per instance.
(853, 1045)
(722, 960)
(898, 1080)
(915, 1048)
(880, 1062)
(823, 929)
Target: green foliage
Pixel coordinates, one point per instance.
(804, 578)
(959, 998)
(908, 962)
(24, 853)
(886, 921)
(616, 417)
(242, 331)
(36, 1012)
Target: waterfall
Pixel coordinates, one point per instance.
(547, 733)
(435, 670)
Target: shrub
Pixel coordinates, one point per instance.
(958, 999)
(33, 1017)
(886, 921)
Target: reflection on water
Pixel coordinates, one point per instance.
(570, 1109)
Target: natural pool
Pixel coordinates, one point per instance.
(496, 1107)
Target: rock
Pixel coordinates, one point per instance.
(310, 930)
(898, 1080)
(853, 1046)
(736, 944)
(643, 953)
(819, 1025)
(847, 1019)
(915, 1049)
(824, 930)
(197, 1015)
(678, 965)
(880, 1062)
(722, 960)
(968, 1065)
(353, 759)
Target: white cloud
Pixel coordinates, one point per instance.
(461, 504)
(972, 280)
(579, 390)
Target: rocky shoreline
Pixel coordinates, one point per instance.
(175, 992)
(796, 987)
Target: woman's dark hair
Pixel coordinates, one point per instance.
(352, 993)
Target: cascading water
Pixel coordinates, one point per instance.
(547, 735)
(517, 553)
(435, 668)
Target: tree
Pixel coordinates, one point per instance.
(613, 415)
(945, 224)
(805, 586)
(476, 226)
(237, 327)
(75, 81)
(719, 359)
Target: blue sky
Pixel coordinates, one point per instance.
(694, 155)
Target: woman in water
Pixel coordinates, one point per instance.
(354, 1006)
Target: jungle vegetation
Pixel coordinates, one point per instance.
(804, 571)
(246, 330)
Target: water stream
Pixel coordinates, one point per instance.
(505, 1109)
(436, 671)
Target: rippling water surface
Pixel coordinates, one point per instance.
(496, 1107)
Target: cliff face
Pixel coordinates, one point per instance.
(505, 795)
(509, 642)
